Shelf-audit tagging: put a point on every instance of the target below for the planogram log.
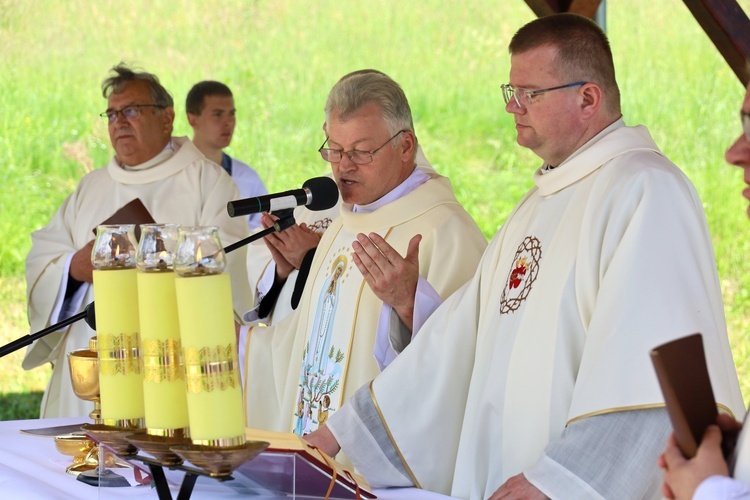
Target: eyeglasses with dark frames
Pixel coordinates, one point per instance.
(355, 155)
(523, 97)
(128, 112)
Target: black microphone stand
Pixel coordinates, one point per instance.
(286, 220)
(88, 314)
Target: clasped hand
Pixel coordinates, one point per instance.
(290, 246)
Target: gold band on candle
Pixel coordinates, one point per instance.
(170, 433)
(119, 354)
(223, 442)
(130, 423)
(162, 360)
(211, 369)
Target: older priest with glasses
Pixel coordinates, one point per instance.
(173, 181)
(534, 379)
(300, 371)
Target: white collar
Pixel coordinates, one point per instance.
(415, 179)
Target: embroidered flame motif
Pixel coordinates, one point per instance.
(522, 274)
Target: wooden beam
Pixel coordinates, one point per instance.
(547, 7)
(586, 8)
(728, 27)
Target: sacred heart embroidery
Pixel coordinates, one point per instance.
(522, 274)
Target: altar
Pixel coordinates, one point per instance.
(31, 467)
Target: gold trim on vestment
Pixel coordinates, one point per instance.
(393, 441)
(722, 408)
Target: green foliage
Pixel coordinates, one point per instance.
(17, 406)
(282, 56)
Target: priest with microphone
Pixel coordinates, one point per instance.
(306, 366)
(167, 177)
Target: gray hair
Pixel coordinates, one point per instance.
(124, 75)
(357, 89)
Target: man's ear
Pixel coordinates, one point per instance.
(591, 99)
(192, 119)
(408, 144)
(168, 115)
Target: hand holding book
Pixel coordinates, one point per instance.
(683, 376)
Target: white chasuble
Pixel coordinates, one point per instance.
(605, 258)
(300, 371)
(260, 266)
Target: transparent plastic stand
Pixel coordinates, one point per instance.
(292, 475)
(102, 476)
(269, 475)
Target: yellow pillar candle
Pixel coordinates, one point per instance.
(117, 328)
(164, 396)
(214, 394)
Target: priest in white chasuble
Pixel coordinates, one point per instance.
(534, 380)
(301, 370)
(174, 182)
(278, 294)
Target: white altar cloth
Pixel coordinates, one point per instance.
(32, 468)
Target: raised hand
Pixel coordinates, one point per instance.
(391, 277)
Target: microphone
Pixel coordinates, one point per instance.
(318, 193)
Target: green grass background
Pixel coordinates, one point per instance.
(282, 56)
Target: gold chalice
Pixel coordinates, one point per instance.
(84, 375)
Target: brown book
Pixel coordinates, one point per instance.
(683, 376)
(134, 212)
(332, 471)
